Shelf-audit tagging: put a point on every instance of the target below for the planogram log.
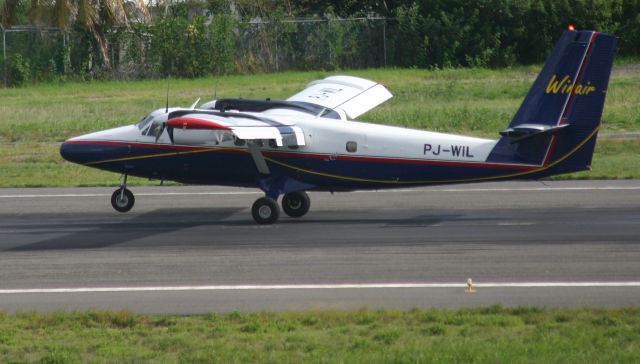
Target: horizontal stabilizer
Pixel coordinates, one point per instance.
(522, 132)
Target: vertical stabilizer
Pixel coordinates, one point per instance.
(557, 123)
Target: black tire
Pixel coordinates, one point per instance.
(125, 203)
(296, 204)
(265, 211)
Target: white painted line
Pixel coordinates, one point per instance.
(512, 189)
(401, 190)
(258, 287)
(137, 194)
(515, 223)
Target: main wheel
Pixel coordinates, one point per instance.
(122, 201)
(265, 211)
(296, 204)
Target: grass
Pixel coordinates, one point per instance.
(485, 335)
(478, 102)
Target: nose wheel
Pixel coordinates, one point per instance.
(122, 199)
(265, 211)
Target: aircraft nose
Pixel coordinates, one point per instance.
(70, 152)
(66, 151)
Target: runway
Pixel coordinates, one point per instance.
(196, 249)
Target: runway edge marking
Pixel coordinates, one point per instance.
(439, 190)
(257, 287)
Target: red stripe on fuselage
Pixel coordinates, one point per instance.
(342, 157)
(301, 155)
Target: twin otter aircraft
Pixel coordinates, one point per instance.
(309, 142)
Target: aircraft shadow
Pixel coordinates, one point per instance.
(90, 235)
(103, 235)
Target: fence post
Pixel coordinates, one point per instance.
(4, 55)
(276, 33)
(384, 40)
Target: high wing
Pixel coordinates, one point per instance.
(353, 95)
(187, 126)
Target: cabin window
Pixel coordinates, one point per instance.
(352, 147)
(238, 142)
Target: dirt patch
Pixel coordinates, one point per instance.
(626, 69)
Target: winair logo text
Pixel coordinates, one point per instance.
(566, 86)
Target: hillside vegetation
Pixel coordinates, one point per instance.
(196, 38)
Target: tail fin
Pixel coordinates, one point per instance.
(557, 123)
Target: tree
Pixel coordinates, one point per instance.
(94, 15)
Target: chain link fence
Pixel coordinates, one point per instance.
(312, 44)
(147, 51)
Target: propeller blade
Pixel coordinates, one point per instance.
(164, 125)
(170, 133)
(193, 106)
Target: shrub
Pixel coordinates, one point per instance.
(18, 70)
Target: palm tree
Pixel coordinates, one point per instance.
(94, 15)
(8, 11)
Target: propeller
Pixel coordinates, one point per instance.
(158, 134)
(193, 106)
(169, 131)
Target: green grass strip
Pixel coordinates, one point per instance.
(481, 335)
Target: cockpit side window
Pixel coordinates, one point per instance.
(154, 130)
(144, 122)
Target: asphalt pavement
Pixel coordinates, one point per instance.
(196, 249)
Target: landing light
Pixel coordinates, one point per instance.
(571, 27)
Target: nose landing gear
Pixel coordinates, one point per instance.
(122, 199)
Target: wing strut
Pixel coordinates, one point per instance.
(258, 158)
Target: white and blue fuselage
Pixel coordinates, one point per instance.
(337, 155)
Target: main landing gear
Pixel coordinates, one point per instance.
(122, 199)
(296, 204)
(266, 210)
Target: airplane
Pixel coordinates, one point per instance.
(311, 142)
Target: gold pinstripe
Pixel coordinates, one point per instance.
(517, 174)
(152, 156)
(356, 179)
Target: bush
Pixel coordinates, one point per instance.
(497, 33)
(18, 70)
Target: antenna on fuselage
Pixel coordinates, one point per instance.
(166, 110)
(215, 83)
(163, 125)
